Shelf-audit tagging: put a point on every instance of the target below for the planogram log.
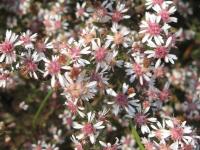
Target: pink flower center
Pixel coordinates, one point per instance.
(176, 133)
(159, 2)
(164, 15)
(117, 16)
(6, 47)
(88, 129)
(138, 69)
(3, 76)
(72, 107)
(30, 65)
(140, 119)
(100, 54)
(58, 24)
(75, 90)
(54, 67)
(154, 28)
(118, 38)
(75, 52)
(101, 12)
(121, 100)
(161, 52)
(80, 11)
(69, 121)
(26, 39)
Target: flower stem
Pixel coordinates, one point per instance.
(44, 101)
(137, 138)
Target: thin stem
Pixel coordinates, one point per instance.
(41, 107)
(137, 138)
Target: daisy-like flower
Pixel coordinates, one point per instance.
(77, 144)
(119, 36)
(89, 128)
(100, 13)
(159, 131)
(48, 146)
(100, 78)
(118, 14)
(53, 68)
(73, 107)
(164, 11)
(7, 51)
(151, 3)
(74, 51)
(27, 39)
(138, 70)
(87, 35)
(30, 63)
(152, 29)
(127, 142)
(42, 46)
(179, 133)
(81, 88)
(81, 11)
(109, 146)
(4, 76)
(39, 146)
(142, 119)
(161, 52)
(123, 99)
(101, 54)
(67, 118)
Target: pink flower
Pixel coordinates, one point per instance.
(161, 52)
(7, 51)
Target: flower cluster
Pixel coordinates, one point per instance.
(105, 76)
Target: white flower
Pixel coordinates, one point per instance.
(123, 100)
(161, 52)
(119, 36)
(89, 128)
(26, 39)
(7, 51)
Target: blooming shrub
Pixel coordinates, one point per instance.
(98, 75)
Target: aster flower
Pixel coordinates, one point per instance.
(152, 29)
(27, 39)
(89, 128)
(67, 118)
(42, 46)
(161, 52)
(159, 131)
(81, 11)
(179, 133)
(165, 12)
(100, 13)
(81, 88)
(127, 142)
(109, 146)
(150, 3)
(102, 54)
(53, 68)
(74, 51)
(77, 144)
(30, 63)
(142, 119)
(74, 108)
(4, 76)
(138, 70)
(119, 36)
(7, 51)
(118, 14)
(123, 99)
